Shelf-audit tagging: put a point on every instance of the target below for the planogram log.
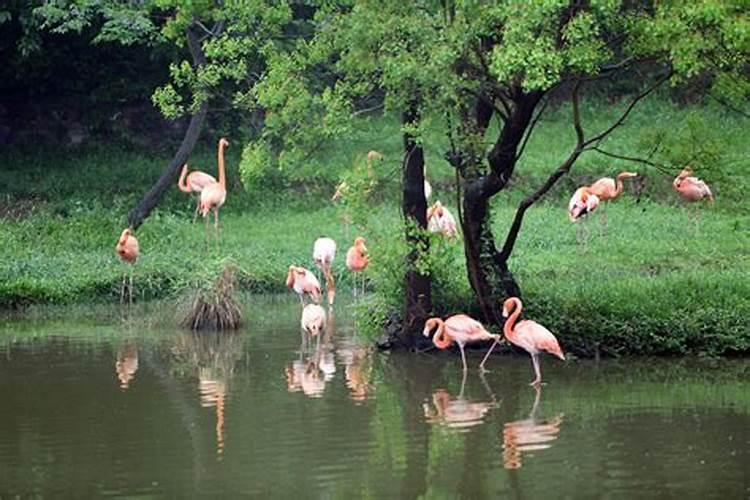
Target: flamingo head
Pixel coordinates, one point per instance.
(359, 242)
(223, 142)
(510, 305)
(430, 325)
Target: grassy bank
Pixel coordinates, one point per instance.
(658, 281)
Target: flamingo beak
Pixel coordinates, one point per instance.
(505, 312)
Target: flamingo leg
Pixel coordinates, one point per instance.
(302, 300)
(603, 219)
(122, 286)
(197, 209)
(489, 351)
(130, 288)
(538, 380)
(463, 357)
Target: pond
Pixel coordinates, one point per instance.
(94, 405)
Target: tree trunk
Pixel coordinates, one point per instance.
(418, 286)
(487, 269)
(489, 275)
(170, 175)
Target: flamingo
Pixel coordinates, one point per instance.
(214, 195)
(440, 220)
(583, 202)
(691, 188)
(128, 250)
(357, 260)
(313, 319)
(194, 182)
(463, 330)
(528, 335)
(303, 281)
(607, 188)
(324, 251)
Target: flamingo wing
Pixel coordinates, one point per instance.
(466, 328)
(537, 338)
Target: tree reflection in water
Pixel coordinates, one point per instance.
(529, 434)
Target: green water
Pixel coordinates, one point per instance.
(96, 405)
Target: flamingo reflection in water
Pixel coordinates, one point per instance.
(213, 357)
(528, 435)
(458, 412)
(315, 367)
(358, 369)
(127, 363)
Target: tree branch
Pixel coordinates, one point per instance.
(531, 129)
(630, 107)
(515, 227)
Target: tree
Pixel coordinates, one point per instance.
(225, 42)
(475, 62)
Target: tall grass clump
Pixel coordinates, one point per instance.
(211, 305)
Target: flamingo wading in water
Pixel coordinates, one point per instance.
(463, 330)
(194, 182)
(528, 335)
(303, 281)
(357, 260)
(324, 251)
(214, 195)
(128, 251)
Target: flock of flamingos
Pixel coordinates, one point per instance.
(460, 328)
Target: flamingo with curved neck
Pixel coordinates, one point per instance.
(194, 182)
(460, 328)
(691, 188)
(608, 188)
(529, 335)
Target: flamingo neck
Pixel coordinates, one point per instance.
(441, 339)
(510, 323)
(182, 182)
(222, 175)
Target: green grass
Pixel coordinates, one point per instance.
(657, 282)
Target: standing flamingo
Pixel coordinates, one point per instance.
(583, 202)
(691, 188)
(313, 319)
(440, 220)
(194, 182)
(214, 195)
(324, 251)
(607, 188)
(303, 281)
(357, 260)
(529, 335)
(127, 249)
(461, 328)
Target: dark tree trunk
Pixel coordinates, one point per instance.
(169, 176)
(418, 286)
(488, 272)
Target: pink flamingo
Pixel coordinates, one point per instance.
(313, 319)
(691, 188)
(127, 249)
(194, 182)
(528, 335)
(460, 328)
(607, 188)
(440, 220)
(582, 203)
(324, 251)
(357, 260)
(303, 281)
(214, 195)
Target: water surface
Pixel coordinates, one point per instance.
(98, 406)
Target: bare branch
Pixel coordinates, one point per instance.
(646, 161)
(630, 107)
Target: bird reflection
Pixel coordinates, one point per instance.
(458, 412)
(529, 434)
(127, 363)
(213, 356)
(316, 365)
(358, 369)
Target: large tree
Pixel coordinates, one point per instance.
(474, 62)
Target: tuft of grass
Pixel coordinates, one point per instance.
(213, 306)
